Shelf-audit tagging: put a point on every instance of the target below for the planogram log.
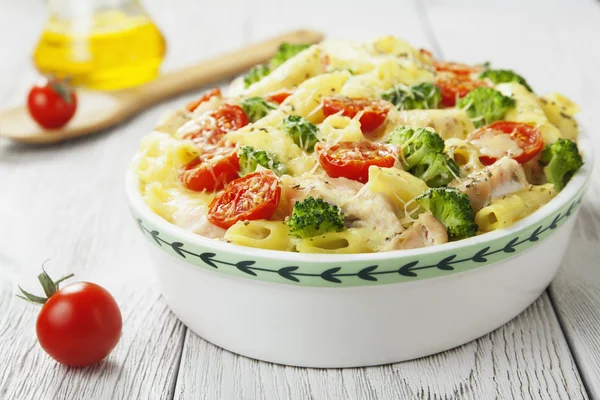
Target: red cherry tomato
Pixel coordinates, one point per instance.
(453, 87)
(374, 111)
(192, 105)
(79, 324)
(526, 136)
(212, 170)
(52, 104)
(456, 68)
(279, 97)
(215, 124)
(352, 159)
(254, 196)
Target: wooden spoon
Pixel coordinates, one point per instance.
(99, 110)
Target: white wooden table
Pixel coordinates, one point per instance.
(66, 203)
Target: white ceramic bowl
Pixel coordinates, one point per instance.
(363, 309)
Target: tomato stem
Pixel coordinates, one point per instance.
(47, 284)
(50, 287)
(62, 88)
(31, 297)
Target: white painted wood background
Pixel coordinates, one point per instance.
(66, 203)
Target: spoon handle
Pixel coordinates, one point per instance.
(100, 110)
(217, 69)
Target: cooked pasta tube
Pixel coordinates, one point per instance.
(507, 210)
(271, 235)
(464, 154)
(353, 240)
(399, 187)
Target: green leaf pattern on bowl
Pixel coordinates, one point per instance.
(361, 273)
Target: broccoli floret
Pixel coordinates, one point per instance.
(436, 169)
(423, 155)
(257, 107)
(416, 144)
(560, 160)
(256, 74)
(302, 131)
(285, 52)
(250, 159)
(452, 208)
(485, 105)
(312, 217)
(422, 96)
(504, 75)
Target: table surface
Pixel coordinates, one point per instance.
(66, 203)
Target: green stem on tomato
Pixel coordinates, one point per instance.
(50, 287)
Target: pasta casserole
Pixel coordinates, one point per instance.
(344, 147)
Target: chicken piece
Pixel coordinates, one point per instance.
(195, 220)
(361, 207)
(336, 191)
(371, 209)
(449, 122)
(504, 176)
(425, 231)
(534, 171)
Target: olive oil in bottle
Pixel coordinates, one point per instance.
(100, 44)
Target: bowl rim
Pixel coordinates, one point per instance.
(577, 183)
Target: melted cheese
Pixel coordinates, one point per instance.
(278, 143)
(380, 215)
(449, 123)
(528, 110)
(388, 73)
(497, 146)
(344, 55)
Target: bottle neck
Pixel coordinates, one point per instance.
(85, 9)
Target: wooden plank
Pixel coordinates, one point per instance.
(576, 290)
(80, 187)
(17, 53)
(576, 294)
(549, 44)
(525, 359)
(66, 203)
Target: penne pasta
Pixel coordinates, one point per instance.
(464, 154)
(271, 235)
(346, 147)
(347, 242)
(507, 210)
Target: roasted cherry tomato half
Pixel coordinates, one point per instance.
(456, 68)
(279, 97)
(453, 87)
(215, 167)
(192, 105)
(374, 112)
(215, 124)
(527, 137)
(79, 324)
(52, 104)
(352, 159)
(254, 196)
